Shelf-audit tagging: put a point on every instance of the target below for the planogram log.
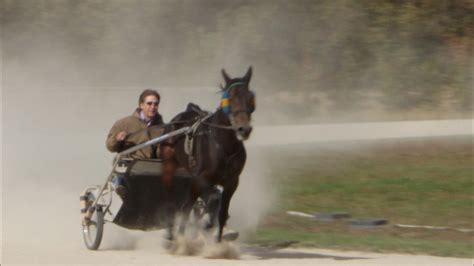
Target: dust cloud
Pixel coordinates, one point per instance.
(63, 91)
(58, 150)
(71, 68)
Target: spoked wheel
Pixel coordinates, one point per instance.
(94, 229)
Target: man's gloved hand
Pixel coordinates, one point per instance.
(121, 136)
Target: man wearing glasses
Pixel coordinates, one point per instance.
(143, 125)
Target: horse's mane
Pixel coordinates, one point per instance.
(186, 118)
(192, 107)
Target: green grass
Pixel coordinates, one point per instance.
(344, 241)
(413, 181)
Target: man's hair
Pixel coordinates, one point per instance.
(146, 93)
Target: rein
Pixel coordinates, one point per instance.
(218, 126)
(203, 121)
(158, 126)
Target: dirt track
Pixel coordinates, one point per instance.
(41, 220)
(48, 254)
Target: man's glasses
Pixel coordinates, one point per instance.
(152, 103)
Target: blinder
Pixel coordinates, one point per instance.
(225, 101)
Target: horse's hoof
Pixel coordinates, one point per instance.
(167, 244)
(230, 236)
(227, 235)
(208, 226)
(168, 237)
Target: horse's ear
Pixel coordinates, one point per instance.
(226, 77)
(248, 75)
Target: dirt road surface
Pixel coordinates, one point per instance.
(146, 251)
(41, 219)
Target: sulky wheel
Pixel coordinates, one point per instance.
(93, 230)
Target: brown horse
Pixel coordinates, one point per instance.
(213, 152)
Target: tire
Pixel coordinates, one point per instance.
(93, 232)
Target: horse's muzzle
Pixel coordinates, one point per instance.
(243, 132)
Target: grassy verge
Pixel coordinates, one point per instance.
(412, 181)
(366, 242)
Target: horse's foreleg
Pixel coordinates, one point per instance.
(213, 206)
(224, 211)
(186, 210)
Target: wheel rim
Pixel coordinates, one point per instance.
(90, 232)
(93, 231)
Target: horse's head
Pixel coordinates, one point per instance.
(238, 103)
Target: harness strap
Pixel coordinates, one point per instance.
(189, 141)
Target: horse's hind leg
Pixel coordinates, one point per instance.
(224, 211)
(168, 169)
(169, 165)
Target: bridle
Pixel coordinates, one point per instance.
(225, 101)
(226, 109)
